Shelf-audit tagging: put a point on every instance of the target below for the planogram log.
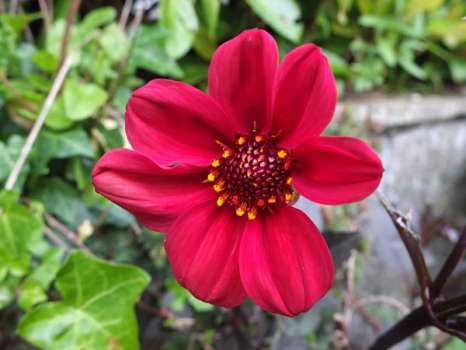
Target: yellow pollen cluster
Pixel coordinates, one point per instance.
(252, 175)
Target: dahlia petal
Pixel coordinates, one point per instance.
(336, 170)
(174, 123)
(203, 247)
(154, 195)
(241, 78)
(285, 264)
(305, 95)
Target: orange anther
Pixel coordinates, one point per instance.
(282, 154)
(215, 163)
(252, 213)
(289, 180)
(272, 199)
(218, 187)
(227, 153)
(260, 203)
(221, 200)
(212, 175)
(288, 197)
(259, 138)
(241, 140)
(240, 211)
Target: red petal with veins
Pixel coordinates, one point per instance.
(336, 170)
(241, 78)
(174, 123)
(285, 264)
(154, 195)
(305, 96)
(203, 247)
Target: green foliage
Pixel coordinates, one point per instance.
(96, 311)
(390, 44)
(282, 15)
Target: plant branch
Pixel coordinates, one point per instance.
(411, 241)
(429, 314)
(55, 239)
(45, 14)
(72, 10)
(12, 178)
(449, 266)
(417, 320)
(65, 231)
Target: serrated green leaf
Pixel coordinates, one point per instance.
(82, 99)
(179, 18)
(282, 15)
(96, 311)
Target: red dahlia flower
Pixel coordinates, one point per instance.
(219, 171)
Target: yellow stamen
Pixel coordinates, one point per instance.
(289, 180)
(240, 211)
(215, 163)
(288, 197)
(218, 187)
(212, 175)
(272, 199)
(241, 140)
(282, 154)
(259, 138)
(221, 200)
(252, 214)
(227, 153)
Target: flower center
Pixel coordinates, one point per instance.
(252, 176)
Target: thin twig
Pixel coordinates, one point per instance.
(13, 6)
(417, 320)
(449, 266)
(45, 14)
(125, 11)
(10, 182)
(55, 239)
(372, 322)
(65, 231)
(72, 10)
(411, 241)
(381, 299)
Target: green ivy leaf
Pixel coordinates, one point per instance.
(96, 311)
(61, 200)
(179, 18)
(57, 118)
(33, 289)
(282, 15)
(82, 99)
(19, 229)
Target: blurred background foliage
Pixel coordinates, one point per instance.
(114, 47)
